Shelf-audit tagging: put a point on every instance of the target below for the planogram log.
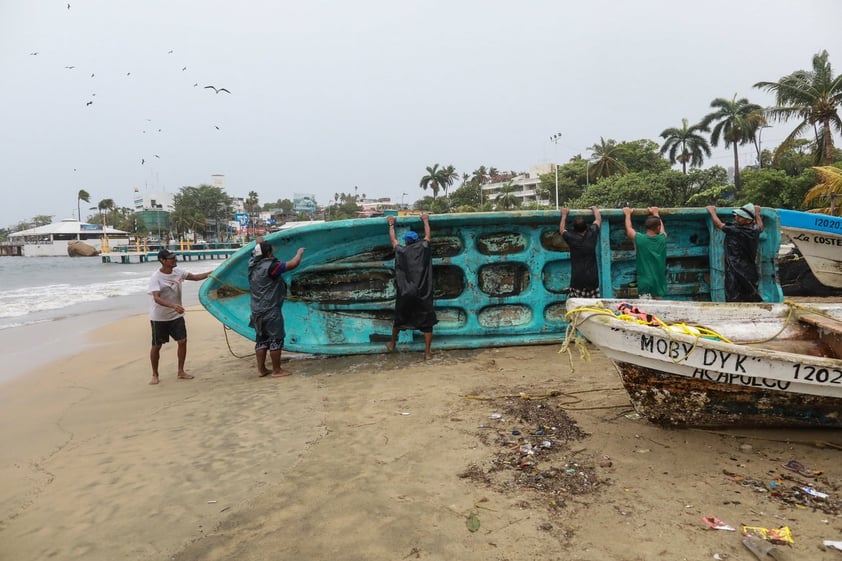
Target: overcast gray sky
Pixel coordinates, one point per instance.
(329, 95)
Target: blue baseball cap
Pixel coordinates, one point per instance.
(410, 237)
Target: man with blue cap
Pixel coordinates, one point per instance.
(741, 240)
(414, 283)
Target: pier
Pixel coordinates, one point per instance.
(129, 254)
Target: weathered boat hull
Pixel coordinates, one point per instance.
(780, 368)
(666, 399)
(499, 278)
(819, 239)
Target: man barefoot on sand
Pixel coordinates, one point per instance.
(166, 313)
(268, 291)
(414, 280)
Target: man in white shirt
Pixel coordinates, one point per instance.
(166, 313)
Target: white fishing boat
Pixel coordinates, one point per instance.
(819, 239)
(52, 240)
(721, 364)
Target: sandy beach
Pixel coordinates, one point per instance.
(378, 458)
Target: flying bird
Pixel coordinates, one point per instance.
(216, 127)
(217, 90)
(183, 69)
(169, 52)
(68, 6)
(142, 161)
(156, 155)
(70, 67)
(33, 54)
(89, 103)
(92, 74)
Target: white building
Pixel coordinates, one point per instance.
(525, 185)
(153, 201)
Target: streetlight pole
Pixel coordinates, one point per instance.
(554, 139)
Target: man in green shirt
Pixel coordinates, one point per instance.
(650, 254)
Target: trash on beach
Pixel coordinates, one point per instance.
(404, 413)
(632, 416)
(761, 549)
(782, 535)
(801, 469)
(717, 524)
(812, 492)
(833, 544)
(472, 522)
(211, 502)
(495, 416)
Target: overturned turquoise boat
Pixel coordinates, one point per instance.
(500, 278)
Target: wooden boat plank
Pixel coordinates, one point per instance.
(677, 401)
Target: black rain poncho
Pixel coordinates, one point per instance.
(414, 282)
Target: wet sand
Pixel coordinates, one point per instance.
(373, 457)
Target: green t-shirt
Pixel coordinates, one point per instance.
(651, 258)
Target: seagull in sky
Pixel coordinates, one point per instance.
(142, 161)
(68, 6)
(70, 67)
(169, 52)
(156, 155)
(33, 54)
(216, 127)
(89, 103)
(217, 90)
(183, 69)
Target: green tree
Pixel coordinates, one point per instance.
(736, 122)
(685, 145)
(774, 188)
(466, 195)
(507, 200)
(103, 207)
(813, 96)
(605, 161)
(252, 204)
(434, 180)
(641, 155)
(638, 190)
(81, 196)
(450, 177)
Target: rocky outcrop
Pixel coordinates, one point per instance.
(78, 248)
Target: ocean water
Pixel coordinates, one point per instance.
(43, 289)
(49, 304)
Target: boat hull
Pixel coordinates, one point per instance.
(666, 399)
(819, 239)
(499, 278)
(780, 368)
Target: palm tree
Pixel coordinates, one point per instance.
(435, 179)
(693, 146)
(82, 196)
(829, 188)
(507, 199)
(604, 162)
(450, 176)
(737, 122)
(105, 205)
(815, 97)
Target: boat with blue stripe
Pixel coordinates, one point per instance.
(500, 278)
(818, 238)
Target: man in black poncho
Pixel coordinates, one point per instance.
(268, 291)
(414, 281)
(741, 240)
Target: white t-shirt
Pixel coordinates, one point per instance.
(169, 285)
